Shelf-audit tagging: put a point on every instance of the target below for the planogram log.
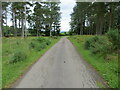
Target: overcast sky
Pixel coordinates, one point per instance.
(66, 9)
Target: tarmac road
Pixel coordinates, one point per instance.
(60, 67)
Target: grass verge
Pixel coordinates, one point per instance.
(105, 68)
(11, 72)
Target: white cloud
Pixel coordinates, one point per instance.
(66, 9)
(65, 25)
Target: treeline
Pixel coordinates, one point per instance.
(34, 19)
(95, 18)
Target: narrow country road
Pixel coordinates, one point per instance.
(60, 67)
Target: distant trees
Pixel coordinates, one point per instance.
(0, 19)
(94, 18)
(37, 18)
(51, 18)
(17, 13)
(4, 14)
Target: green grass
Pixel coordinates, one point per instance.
(104, 67)
(11, 72)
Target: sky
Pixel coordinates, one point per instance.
(66, 9)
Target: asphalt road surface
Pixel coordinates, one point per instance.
(60, 67)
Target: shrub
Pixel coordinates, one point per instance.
(48, 42)
(39, 43)
(111, 57)
(40, 39)
(18, 56)
(17, 42)
(99, 45)
(32, 45)
(102, 47)
(113, 36)
(90, 41)
(54, 37)
(40, 46)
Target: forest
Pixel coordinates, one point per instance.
(31, 19)
(95, 32)
(93, 38)
(95, 18)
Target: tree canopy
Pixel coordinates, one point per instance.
(36, 18)
(94, 18)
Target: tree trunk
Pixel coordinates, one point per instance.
(50, 33)
(12, 19)
(19, 22)
(81, 26)
(15, 26)
(100, 17)
(111, 17)
(37, 32)
(22, 28)
(50, 30)
(99, 25)
(0, 19)
(118, 18)
(25, 23)
(6, 19)
(13, 22)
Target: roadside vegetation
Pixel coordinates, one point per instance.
(102, 53)
(92, 21)
(98, 25)
(97, 18)
(20, 46)
(19, 54)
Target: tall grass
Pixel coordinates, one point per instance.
(107, 68)
(12, 47)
